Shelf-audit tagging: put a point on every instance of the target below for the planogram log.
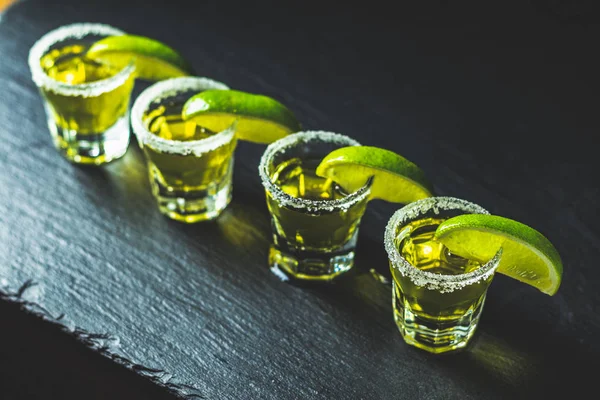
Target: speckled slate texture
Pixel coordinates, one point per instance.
(498, 106)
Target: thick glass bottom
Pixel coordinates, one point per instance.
(192, 206)
(426, 332)
(92, 148)
(290, 263)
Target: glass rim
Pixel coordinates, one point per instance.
(430, 280)
(75, 31)
(167, 88)
(298, 203)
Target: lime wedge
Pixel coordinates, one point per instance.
(527, 255)
(261, 119)
(154, 60)
(395, 179)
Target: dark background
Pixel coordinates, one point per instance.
(497, 103)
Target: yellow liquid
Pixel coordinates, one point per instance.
(184, 172)
(85, 115)
(315, 230)
(419, 247)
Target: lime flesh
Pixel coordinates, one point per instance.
(154, 60)
(394, 178)
(527, 255)
(260, 119)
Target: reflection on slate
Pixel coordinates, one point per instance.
(196, 309)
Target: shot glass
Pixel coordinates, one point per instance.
(314, 221)
(86, 101)
(438, 297)
(190, 167)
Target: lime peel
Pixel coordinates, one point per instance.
(261, 119)
(528, 256)
(154, 60)
(394, 178)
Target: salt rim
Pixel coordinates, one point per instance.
(430, 280)
(169, 88)
(294, 202)
(75, 31)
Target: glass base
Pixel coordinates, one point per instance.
(92, 148)
(312, 266)
(192, 206)
(431, 335)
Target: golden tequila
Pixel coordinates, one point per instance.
(316, 230)
(86, 115)
(184, 172)
(438, 296)
(315, 222)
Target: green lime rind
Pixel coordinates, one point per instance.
(527, 255)
(261, 119)
(154, 60)
(395, 179)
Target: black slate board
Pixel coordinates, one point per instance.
(498, 106)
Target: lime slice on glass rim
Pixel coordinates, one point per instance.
(260, 119)
(394, 178)
(527, 255)
(154, 60)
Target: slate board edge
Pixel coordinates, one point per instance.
(96, 342)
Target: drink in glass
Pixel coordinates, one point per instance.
(190, 167)
(86, 100)
(438, 296)
(314, 220)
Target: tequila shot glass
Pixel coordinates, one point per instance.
(190, 167)
(314, 220)
(438, 297)
(86, 101)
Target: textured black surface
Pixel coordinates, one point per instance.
(497, 105)
(40, 362)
